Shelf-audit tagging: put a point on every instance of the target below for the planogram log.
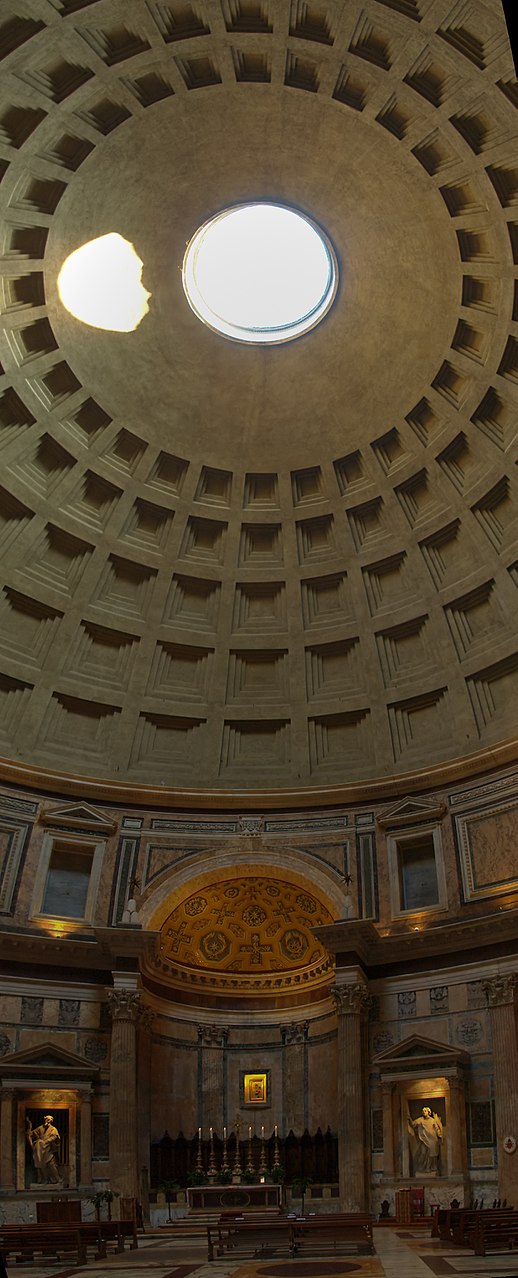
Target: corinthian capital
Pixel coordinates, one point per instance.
(352, 998)
(124, 1005)
(500, 989)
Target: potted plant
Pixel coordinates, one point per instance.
(103, 1196)
(225, 1176)
(169, 1189)
(249, 1177)
(197, 1177)
(300, 1184)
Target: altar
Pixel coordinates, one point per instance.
(228, 1197)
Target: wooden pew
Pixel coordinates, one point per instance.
(292, 1233)
(53, 1238)
(469, 1219)
(27, 1242)
(495, 1235)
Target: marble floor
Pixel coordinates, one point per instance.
(400, 1253)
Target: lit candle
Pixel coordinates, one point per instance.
(199, 1133)
(249, 1132)
(224, 1133)
(275, 1131)
(210, 1132)
(262, 1131)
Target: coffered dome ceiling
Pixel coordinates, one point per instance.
(232, 566)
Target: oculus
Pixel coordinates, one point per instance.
(260, 273)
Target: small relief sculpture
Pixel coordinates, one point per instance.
(426, 1137)
(44, 1142)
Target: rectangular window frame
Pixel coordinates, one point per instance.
(395, 843)
(76, 843)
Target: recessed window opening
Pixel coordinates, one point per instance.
(260, 273)
(67, 882)
(419, 888)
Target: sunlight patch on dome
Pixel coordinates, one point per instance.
(100, 284)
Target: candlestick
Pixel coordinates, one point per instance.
(199, 1163)
(224, 1165)
(262, 1160)
(250, 1164)
(213, 1171)
(276, 1159)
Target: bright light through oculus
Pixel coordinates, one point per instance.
(260, 273)
(100, 284)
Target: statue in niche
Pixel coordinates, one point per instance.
(44, 1142)
(426, 1135)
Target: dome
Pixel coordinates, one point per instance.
(234, 568)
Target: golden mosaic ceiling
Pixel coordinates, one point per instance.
(246, 935)
(246, 568)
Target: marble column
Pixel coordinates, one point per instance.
(85, 1130)
(212, 1042)
(457, 1159)
(387, 1093)
(500, 991)
(352, 1000)
(145, 1024)
(294, 1084)
(7, 1166)
(124, 1007)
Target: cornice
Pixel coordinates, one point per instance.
(362, 939)
(127, 794)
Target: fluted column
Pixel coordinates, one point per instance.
(145, 1023)
(352, 999)
(85, 1130)
(124, 1006)
(500, 991)
(387, 1093)
(212, 1042)
(6, 1139)
(294, 1038)
(458, 1154)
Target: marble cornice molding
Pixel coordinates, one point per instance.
(370, 946)
(499, 989)
(126, 793)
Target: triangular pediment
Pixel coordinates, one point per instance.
(79, 816)
(411, 811)
(417, 1051)
(47, 1060)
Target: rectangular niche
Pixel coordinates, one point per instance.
(417, 875)
(315, 539)
(486, 844)
(67, 878)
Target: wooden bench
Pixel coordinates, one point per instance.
(352, 1228)
(494, 1235)
(292, 1233)
(53, 1238)
(26, 1242)
(469, 1219)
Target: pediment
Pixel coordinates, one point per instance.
(412, 811)
(47, 1061)
(419, 1052)
(79, 816)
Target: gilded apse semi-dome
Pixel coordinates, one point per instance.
(245, 937)
(235, 567)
